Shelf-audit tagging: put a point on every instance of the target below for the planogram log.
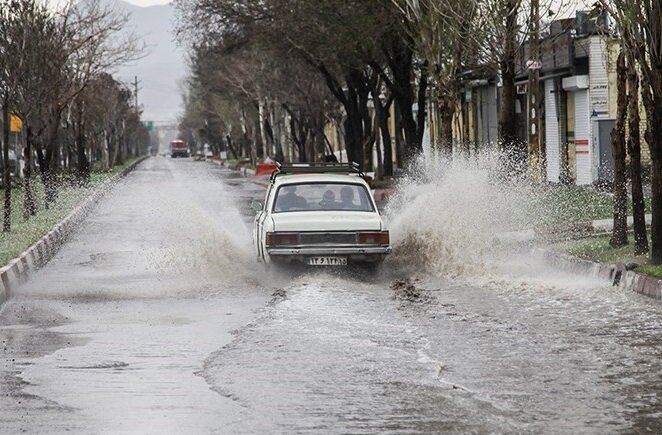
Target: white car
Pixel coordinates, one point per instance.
(319, 215)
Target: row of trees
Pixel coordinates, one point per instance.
(55, 74)
(345, 64)
(639, 69)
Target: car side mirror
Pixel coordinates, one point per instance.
(257, 206)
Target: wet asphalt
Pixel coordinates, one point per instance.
(155, 318)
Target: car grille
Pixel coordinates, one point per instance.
(327, 238)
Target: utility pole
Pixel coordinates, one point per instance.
(534, 64)
(135, 91)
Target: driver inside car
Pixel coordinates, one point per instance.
(289, 200)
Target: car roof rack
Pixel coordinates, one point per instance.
(316, 168)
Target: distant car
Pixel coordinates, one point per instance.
(178, 148)
(319, 215)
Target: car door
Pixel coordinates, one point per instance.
(258, 228)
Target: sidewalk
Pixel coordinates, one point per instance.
(40, 252)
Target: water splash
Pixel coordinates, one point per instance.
(185, 238)
(450, 219)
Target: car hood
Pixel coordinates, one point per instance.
(326, 221)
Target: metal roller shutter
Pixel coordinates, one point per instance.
(551, 133)
(583, 138)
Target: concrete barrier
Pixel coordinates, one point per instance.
(18, 270)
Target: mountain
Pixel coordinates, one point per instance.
(164, 66)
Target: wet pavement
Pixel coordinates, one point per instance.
(155, 318)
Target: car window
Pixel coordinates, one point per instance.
(322, 196)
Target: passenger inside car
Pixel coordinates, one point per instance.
(329, 200)
(347, 199)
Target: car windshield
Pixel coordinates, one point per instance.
(322, 196)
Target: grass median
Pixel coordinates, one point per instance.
(576, 204)
(597, 249)
(25, 233)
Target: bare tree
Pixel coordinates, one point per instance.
(639, 23)
(444, 33)
(92, 40)
(48, 58)
(345, 43)
(26, 31)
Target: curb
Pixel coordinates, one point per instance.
(18, 270)
(616, 273)
(643, 284)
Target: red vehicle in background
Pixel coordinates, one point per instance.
(178, 148)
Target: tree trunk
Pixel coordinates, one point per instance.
(298, 141)
(274, 129)
(508, 124)
(353, 130)
(29, 202)
(401, 65)
(6, 220)
(656, 182)
(258, 133)
(620, 236)
(83, 165)
(266, 135)
(228, 139)
(367, 124)
(402, 153)
(651, 86)
(50, 162)
(353, 124)
(656, 203)
(105, 150)
(409, 127)
(355, 110)
(384, 115)
(634, 149)
(376, 132)
(446, 109)
(421, 115)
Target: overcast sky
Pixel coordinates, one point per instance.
(135, 2)
(148, 2)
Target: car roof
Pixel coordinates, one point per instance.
(318, 178)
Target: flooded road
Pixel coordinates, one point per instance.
(155, 318)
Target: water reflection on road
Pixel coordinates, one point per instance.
(351, 358)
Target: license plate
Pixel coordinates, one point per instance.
(326, 261)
